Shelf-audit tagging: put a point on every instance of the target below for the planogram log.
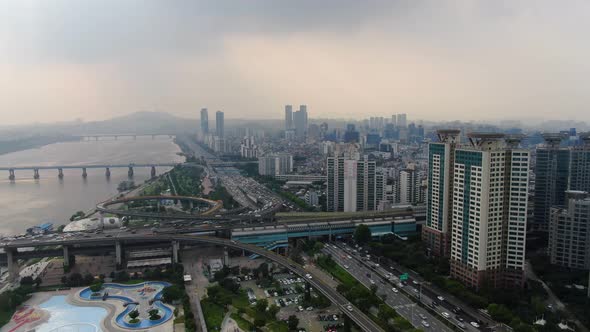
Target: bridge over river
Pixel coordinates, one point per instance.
(107, 167)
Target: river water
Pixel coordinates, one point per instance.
(26, 202)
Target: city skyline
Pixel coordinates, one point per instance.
(435, 60)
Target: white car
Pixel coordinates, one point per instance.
(372, 282)
(394, 290)
(349, 257)
(308, 276)
(474, 324)
(440, 298)
(425, 323)
(349, 307)
(445, 314)
(346, 266)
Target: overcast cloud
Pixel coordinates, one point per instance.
(438, 60)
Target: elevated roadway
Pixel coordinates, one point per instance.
(104, 206)
(364, 322)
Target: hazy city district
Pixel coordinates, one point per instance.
(383, 224)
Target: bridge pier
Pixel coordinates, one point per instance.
(118, 255)
(225, 257)
(175, 247)
(107, 172)
(153, 173)
(12, 264)
(60, 173)
(36, 173)
(66, 256)
(130, 172)
(11, 175)
(84, 174)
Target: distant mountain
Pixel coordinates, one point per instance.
(139, 123)
(134, 123)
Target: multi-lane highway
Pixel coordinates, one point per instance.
(414, 286)
(418, 316)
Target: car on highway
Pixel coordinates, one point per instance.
(461, 326)
(308, 276)
(423, 316)
(394, 290)
(349, 307)
(346, 266)
(474, 324)
(445, 314)
(440, 298)
(372, 282)
(425, 324)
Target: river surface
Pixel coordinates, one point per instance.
(26, 202)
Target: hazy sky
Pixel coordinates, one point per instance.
(439, 59)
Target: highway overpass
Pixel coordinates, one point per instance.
(176, 240)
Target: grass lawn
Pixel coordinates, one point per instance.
(278, 327)
(240, 301)
(213, 314)
(242, 323)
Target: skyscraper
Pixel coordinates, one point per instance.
(489, 214)
(580, 165)
(219, 123)
(551, 178)
(353, 185)
(569, 231)
(436, 233)
(402, 120)
(204, 121)
(288, 117)
(300, 121)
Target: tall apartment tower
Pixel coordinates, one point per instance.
(489, 214)
(436, 233)
(569, 231)
(300, 121)
(551, 178)
(409, 186)
(219, 123)
(288, 117)
(580, 165)
(353, 185)
(204, 121)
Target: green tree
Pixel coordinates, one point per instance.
(362, 234)
(261, 305)
(373, 289)
(27, 281)
(259, 322)
(172, 293)
(273, 310)
(500, 313)
(134, 314)
(96, 287)
(293, 322)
